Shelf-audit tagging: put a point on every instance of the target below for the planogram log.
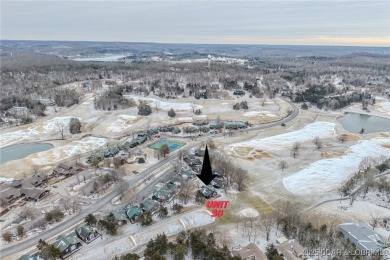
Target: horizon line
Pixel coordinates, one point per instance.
(188, 43)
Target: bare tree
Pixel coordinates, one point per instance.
(366, 164)
(180, 155)
(295, 149)
(61, 129)
(117, 162)
(374, 220)
(186, 191)
(282, 165)
(342, 138)
(240, 176)
(267, 222)
(157, 106)
(317, 142)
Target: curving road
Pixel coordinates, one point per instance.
(24, 244)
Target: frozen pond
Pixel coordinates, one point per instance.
(19, 151)
(354, 122)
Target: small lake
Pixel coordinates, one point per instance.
(354, 122)
(19, 151)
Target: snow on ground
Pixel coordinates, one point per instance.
(47, 127)
(123, 122)
(382, 105)
(283, 141)
(249, 213)
(326, 175)
(134, 235)
(6, 180)
(259, 114)
(59, 153)
(165, 105)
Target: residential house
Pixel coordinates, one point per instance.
(126, 145)
(199, 152)
(208, 192)
(249, 252)
(239, 92)
(152, 131)
(9, 194)
(216, 125)
(37, 179)
(200, 122)
(291, 250)
(217, 183)
(16, 184)
(120, 216)
(197, 168)
(111, 152)
(149, 205)
(63, 169)
(92, 157)
(87, 233)
(68, 244)
(162, 195)
(187, 174)
(18, 111)
(34, 194)
(177, 180)
(133, 212)
(235, 124)
(33, 255)
(47, 102)
(176, 130)
(363, 237)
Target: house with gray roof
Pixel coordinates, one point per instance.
(133, 212)
(363, 237)
(120, 216)
(177, 180)
(208, 192)
(162, 195)
(187, 174)
(149, 205)
(33, 255)
(217, 183)
(235, 124)
(87, 233)
(68, 244)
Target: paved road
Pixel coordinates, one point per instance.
(344, 198)
(24, 244)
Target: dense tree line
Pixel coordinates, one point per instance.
(197, 244)
(113, 99)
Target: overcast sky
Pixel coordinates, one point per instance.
(331, 22)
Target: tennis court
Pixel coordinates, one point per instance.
(172, 145)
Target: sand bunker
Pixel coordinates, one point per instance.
(250, 153)
(331, 154)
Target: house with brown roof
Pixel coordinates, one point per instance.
(63, 170)
(34, 194)
(9, 194)
(38, 179)
(291, 250)
(249, 252)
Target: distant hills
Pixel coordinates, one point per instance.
(90, 49)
